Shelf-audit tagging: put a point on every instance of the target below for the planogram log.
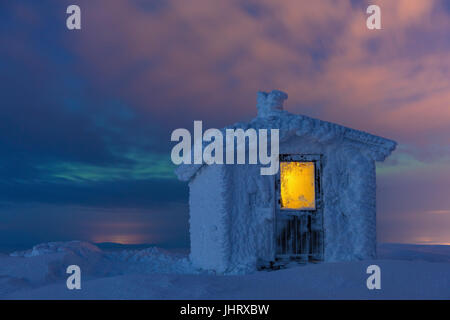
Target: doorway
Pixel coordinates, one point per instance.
(299, 207)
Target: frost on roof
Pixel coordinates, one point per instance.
(271, 115)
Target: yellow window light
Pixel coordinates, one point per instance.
(297, 185)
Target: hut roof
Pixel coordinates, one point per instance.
(272, 116)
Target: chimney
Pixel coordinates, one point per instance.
(270, 104)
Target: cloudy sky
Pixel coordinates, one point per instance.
(86, 116)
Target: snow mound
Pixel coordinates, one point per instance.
(153, 273)
(75, 247)
(153, 260)
(97, 262)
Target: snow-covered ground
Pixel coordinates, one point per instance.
(407, 272)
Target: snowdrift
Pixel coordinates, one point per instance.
(407, 272)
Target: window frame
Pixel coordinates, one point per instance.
(317, 160)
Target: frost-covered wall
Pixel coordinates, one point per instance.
(208, 219)
(233, 208)
(349, 194)
(349, 205)
(231, 218)
(251, 211)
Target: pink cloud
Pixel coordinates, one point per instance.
(215, 54)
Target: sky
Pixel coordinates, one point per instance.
(86, 115)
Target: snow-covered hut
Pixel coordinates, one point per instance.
(320, 206)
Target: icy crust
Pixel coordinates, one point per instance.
(291, 125)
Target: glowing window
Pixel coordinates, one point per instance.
(297, 185)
